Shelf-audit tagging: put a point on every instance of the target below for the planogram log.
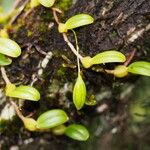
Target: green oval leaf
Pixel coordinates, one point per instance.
(77, 132)
(4, 60)
(79, 93)
(47, 3)
(140, 67)
(108, 57)
(9, 47)
(78, 21)
(22, 92)
(51, 118)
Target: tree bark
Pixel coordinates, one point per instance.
(121, 25)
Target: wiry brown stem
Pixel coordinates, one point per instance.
(109, 71)
(7, 81)
(71, 46)
(130, 57)
(55, 15)
(66, 37)
(4, 76)
(17, 110)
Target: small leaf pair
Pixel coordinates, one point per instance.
(102, 58)
(77, 132)
(139, 67)
(79, 93)
(54, 119)
(75, 22)
(49, 119)
(9, 48)
(22, 92)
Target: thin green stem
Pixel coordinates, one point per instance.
(77, 48)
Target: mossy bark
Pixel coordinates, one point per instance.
(120, 25)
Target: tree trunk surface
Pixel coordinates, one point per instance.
(121, 25)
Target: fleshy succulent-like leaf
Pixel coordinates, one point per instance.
(108, 57)
(51, 118)
(9, 47)
(140, 67)
(47, 3)
(78, 21)
(22, 92)
(120, 71)
(77, 132)
(79, 93)
(4, 60)
(30, 124)
(86, 62)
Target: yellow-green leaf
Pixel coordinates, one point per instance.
(4, 60)
(62, 28)
(140, 67)
(47, 3)
(34, 3)
(9, 88)
(4, 33)
(79, 93)
(59, 130)
(51, 119)
(108, 57)
(78, 21)
(9, 47)
(22, 92)
(77, 132)
(86, 62)
(30, 124)
(120, 71)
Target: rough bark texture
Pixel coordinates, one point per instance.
(122, 25)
